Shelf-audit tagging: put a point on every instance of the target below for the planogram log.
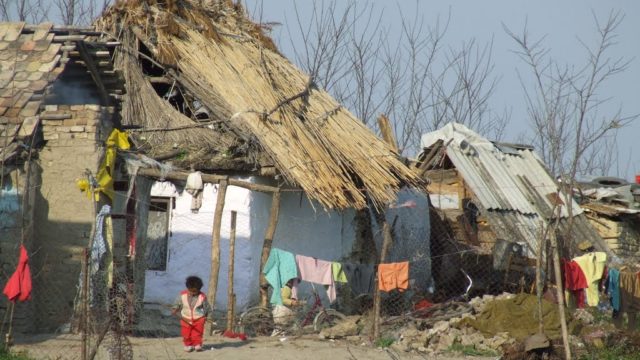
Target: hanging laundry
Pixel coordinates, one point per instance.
(338, 274)
(629, 299)
(393, 276)
(317, 272)
(194, 187)
(116, 140)
(131, 225)
(592, 265)
(575, 281)
(19, 285)
(99, 247)
(360, 277)
(280, 268)
(613, 288)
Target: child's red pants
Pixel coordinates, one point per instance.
(192, 333)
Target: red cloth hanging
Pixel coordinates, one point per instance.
(19, 285)
(575, 281)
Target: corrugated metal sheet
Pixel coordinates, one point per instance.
(513, 187)
(517, 227)
(501, 180)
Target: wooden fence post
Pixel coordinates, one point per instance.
(215, 245)
(386, 244)
(266, 246)
(230, 294)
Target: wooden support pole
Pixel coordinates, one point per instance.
(386, 244)
(541, 245)
(84, 323)
(215, 245)
(230, 294)
(387, 132)
(266, 246)
(560, 293)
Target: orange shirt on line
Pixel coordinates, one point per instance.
(393, 276)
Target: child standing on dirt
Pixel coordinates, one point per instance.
(193, 308)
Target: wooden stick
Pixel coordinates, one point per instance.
(232, 250)
(386, 244)
(85, 302)
(215, 246)
(387, 132)
(560, 294)
(541, 242)
(266, 246)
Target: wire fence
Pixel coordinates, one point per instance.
(118, 309)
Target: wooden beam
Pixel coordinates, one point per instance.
(230, 294)
(387, 132)
(215, 246)
(50, 116)
(266, 246)
(214, 179)
(159, 80)
(63, 38)
(88, 60)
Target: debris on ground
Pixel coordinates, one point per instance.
(343, 329)
(506, 324)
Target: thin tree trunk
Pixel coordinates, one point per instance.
(541, 242)
(560, 294)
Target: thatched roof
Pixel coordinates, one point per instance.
(257, 99)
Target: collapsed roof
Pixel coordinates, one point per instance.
(512, 186)
(270, 112)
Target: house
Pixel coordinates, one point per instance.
(54, 120)
(497, 196)
(196, 88)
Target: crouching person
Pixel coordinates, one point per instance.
(284, 315)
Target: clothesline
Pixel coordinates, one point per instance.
(283, 266)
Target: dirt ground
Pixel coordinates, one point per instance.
(67, 347)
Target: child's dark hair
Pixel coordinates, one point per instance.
(194, 282)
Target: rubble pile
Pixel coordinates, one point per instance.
(443, 335)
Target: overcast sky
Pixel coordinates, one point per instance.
(561, 21)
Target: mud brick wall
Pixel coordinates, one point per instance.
(622, 234)
(74, 136)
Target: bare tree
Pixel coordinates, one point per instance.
(565, 104)
(67, 10)
(34, 11)
(413, 78)
(5, 10)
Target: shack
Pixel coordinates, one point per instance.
(495, 197)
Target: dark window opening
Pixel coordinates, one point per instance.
(158, 233)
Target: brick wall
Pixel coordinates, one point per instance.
(64, 215)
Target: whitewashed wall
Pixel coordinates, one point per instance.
(301, 230)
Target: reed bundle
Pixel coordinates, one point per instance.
(313, 141)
